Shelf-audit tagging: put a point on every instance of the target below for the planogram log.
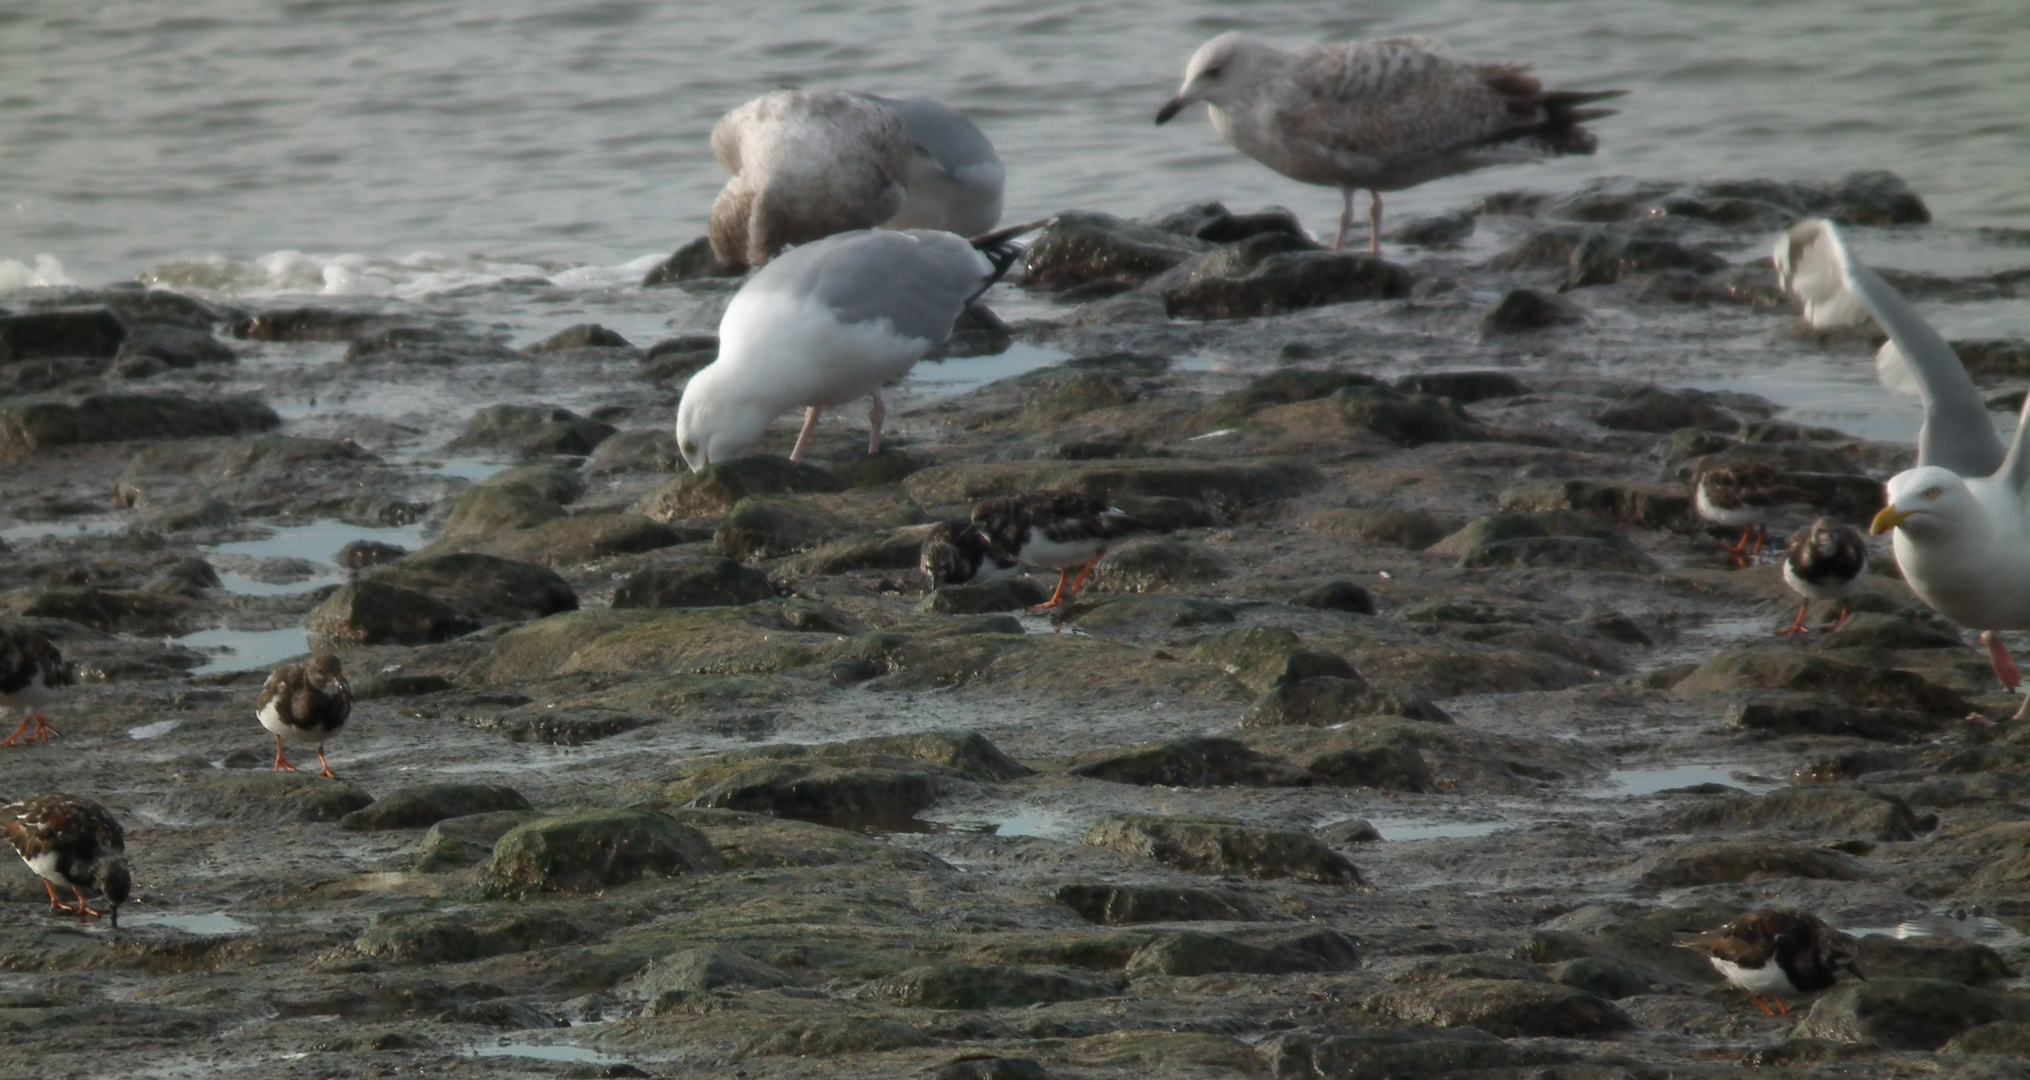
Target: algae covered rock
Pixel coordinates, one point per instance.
(1187, 952)
(423, 806)
(712, 582)
(715, 489)
(595, 850)
(987, 986)
(1209, 845)
(1505, 1007)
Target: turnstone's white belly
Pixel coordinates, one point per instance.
(1767, 979)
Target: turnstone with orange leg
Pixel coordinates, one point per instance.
(1055, 530)
(305, 703)
(1750, 496)
(956, 553)
(31, 670)
(1772, 953)
(75, 843)
(1825, 561)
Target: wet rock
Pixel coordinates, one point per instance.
(1159, 564)
(637, 451)
(1876, 197)
(463, 841)
(702, 970)
(987, 986)
(361, 554)
(678, 358)
(1283, 388)
(579, 336)
(127, 610)
(1327, 700)
(1214, 223)
(303, 324)
(82, 332)
(1088, 249)
(1485, 532)
(1411, 529)
(411, 345)
(1652, 506)
(483, 588)
(1860, 684)
(595, 850)
(1876, 630)
(568, 726)
(768, 526)
(1264, 656)
(1336, 596)
(833, 1038)
(1189, 953)
(1725, 862)
(1384, 765)
(1601, 978)
(258, 798)
(1825, 714)
(1446, 230)
(530, 431)
(708, 582)
(691, 262)
(1561, 552)
(188, 577)
(423, 806)
(1201, 761)
(1905, 1014)
(508, 1014)
(1383, 1055)
(1464, 387)
(1503, 1007)
(825, 794)
(1226, 486)
(378, 613)
(436, 938)
(1405, 419)
(1001, 594)
(1523, 310)
(890, 466)
(2003, 1038)
(1596, 256)
(1350, 831)
(99, 418)
(1132, 612)
(1948, 958)
(1121, 905)
(155, 347)
(397, 685)
(1224, 846)
(565, 540)
(993, 1068)
(715, 489)
(1272, 274)
(1662, 411)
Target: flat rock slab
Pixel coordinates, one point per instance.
(1820, 811)
(248, 796)
(987, 986)
(1867, 685)
(1226, 485)
(1122, 905)
(1503, 1007)
(701, 970)
(1384, 1055)
(439, 937)
(1191, 953)
(595, 850)
(713, 490)
(1906, 1014)
(423, 806)
(1728, 861)
(1224, 846)
(36, 425)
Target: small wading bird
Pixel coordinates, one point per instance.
(1773, 953)
(1054, 530)
(830, 322)
(31, 670)
(75, 843)
(1384, 115)
(1825, 561)
(1961, 518)
(956, 553)
(305, 703)
(1750, 496)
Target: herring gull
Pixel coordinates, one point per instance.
(805, 164)
(955, 178)
(828, 322)
(1384, 115)
(1962, 516)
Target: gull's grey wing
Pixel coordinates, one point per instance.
(2015, 470)
(954, 142)
(1812, 261)
(919, 281)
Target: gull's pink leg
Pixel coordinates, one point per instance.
(1345, 218)
(1998, 657)
(803, 438)
(1374, 223)
(876, 413)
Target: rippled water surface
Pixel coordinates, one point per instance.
(356, 145)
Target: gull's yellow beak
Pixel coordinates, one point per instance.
(1889, 518)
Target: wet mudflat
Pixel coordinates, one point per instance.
(1429, 724)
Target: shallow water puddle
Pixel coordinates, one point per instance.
(1982, 929)
(946, 378)
(316, 542)
(476, 470)
(1629, 783)
(544, 1052)
(153, 731)
(245, 650)
(66, 528)
(1401, 829)
(206, 924)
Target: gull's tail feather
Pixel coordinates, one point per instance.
(1001, 250)
(1892, 370)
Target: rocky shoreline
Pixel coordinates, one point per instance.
(1429, 725)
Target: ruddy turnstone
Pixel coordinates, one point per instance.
(306, 703)
(1824, 562)
(1750, 496)
(1772, 953)
(956, 553)
(30, 671)
(71, 842)
(1054, 530)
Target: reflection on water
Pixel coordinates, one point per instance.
(1635, 782)
(208, 924)
(945, 378)
(1398, 829)
(316, 543)
(245, 650)
(543, 1052)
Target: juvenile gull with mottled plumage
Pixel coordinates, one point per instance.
(1383, 115)
(805, 164)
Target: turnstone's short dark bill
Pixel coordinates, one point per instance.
(71, 842)
(1771, 953)
(1750, 496)
(1825, 561)
(1055, 530)
(305, 703)
(956, 553)
(30, 671)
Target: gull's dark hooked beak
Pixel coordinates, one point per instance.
(1170, 108)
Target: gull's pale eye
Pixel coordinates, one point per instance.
(1933, 493)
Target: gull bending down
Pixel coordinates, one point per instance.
(1384, 115)
(955, 178)
(829, 322)
(1962, 516)
(805, 164)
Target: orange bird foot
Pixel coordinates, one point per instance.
(41, 733)
(1839, 622)
(1797, 625)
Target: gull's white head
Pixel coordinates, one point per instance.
(1218, 72)
(713, 425)
(1926, 503)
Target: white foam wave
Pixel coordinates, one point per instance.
(19, 275)
(419, 276)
